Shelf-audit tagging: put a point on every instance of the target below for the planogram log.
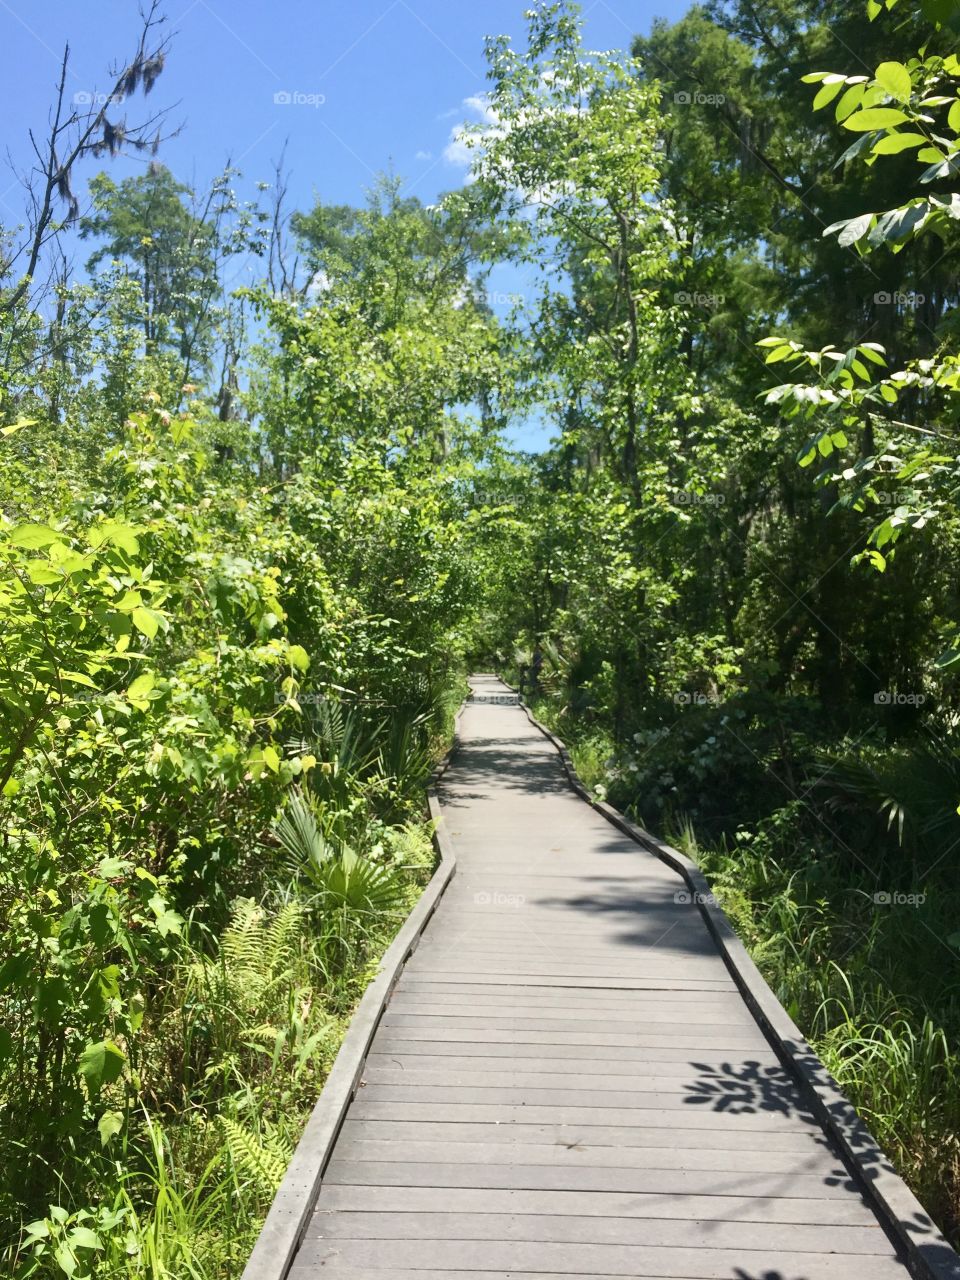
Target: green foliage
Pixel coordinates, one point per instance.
(236, 613)
(185, 646)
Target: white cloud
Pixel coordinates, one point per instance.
(319, 285)
(424, 155)
(479, 104)
(458, 150)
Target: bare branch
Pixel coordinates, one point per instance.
(75, 134)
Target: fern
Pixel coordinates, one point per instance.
(260, 1160)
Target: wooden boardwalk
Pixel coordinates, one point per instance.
(567, 1082)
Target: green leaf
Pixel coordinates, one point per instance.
(850, 101)
(17, 426)
(893, 143)
(33, 536)
(84, 1238)
(875, 118)
(114, 534)
(953, 117)
(271, 759)
(778, 354)
(109, 1125)
(147, 621)
(299, 657)
(827, 93)
(872, 351)
(140, 689)
(66, 1258)
(41, 575)
(854, 229)
(895, 78)
(101, 1063)
(77, 677)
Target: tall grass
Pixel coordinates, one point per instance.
(873, 987)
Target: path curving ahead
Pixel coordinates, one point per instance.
(567, 1081)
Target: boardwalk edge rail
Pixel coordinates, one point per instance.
(289, 1214)
(927, 1253)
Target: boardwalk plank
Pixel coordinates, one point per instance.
(849, 1210)
(704, 1182)
(592, 1137)
(367, 1108)
(511, 1256)
(723, 1058)
(591, 1229)
(591, 1094)
(574, 1073)
(579, 1154)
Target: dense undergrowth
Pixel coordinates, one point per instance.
(213, 826)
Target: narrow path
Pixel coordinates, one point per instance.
(566, 1081)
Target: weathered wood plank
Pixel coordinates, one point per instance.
(367, 1108)
(586, 1093)
(589, 1096)
(591, 1229)
(598, 997)
(669, 1137)
(849, 1210)
(642, 1014)
(510, 1257)
(613, 982)
(690, 1181)
(720, 1056)
(579, 1154)
(575, 1072)
(517, 1030)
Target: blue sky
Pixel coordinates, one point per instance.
(375, 84)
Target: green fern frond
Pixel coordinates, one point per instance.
(261, 1160)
